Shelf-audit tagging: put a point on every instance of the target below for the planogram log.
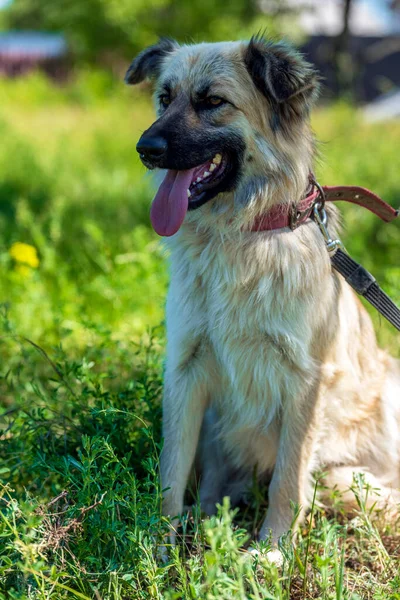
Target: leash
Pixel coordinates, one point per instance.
(365, 284)
(355, 274)
(313, 206)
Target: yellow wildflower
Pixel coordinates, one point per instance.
(24, 254)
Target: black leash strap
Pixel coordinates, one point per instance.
(365, 284)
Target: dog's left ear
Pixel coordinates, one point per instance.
(147, 65)
(282, 74)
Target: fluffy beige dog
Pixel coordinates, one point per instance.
(272, 362)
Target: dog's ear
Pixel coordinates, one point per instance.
(282, 74)
(147, 64)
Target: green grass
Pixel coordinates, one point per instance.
(81, 373)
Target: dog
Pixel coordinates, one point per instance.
(272, 362)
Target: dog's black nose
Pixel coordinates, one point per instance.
(152, 147)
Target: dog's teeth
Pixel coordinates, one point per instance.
(198, 179)
(217, 159)
(212, 167)
(189, 193)
(206, 174)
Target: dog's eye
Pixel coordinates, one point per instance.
(165, 100)
(214, 101)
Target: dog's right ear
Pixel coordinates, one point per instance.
(147, 64)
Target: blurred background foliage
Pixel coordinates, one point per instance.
(100, 29)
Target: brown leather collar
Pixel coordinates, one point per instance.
(294, 215)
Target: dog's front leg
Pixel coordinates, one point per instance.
(185, 400)
(291, 480)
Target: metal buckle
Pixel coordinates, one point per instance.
(296, 216)
(322, 219)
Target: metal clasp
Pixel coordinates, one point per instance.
(296, 217)
(322, 219)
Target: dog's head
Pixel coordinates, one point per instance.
(232, 124)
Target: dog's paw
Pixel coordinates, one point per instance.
(274, 557)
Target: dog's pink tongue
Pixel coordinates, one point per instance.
(171, 202)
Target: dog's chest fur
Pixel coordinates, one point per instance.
(250, 307)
